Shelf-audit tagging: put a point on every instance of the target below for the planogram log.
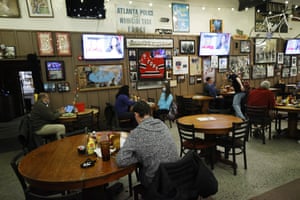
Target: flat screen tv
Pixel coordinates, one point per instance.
(292, 47)
(151, 64)
(214, 44)
(55, 70)
(102, 46)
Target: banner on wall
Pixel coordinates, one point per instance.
(134, 19)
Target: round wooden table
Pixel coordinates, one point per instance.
(211, 123)
(56, 166)
(293, 112)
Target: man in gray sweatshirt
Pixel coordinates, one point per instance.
(149, 144)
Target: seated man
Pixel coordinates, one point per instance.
(42, 118)
(149, 144)
(211, 90)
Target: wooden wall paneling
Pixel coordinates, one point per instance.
(9, 38)
(24, 43)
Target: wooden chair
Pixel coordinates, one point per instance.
(190, 107)
(96, 117)
(235, 143)
(259, 119)
(85, 120)
(188, 141)
(34, 193)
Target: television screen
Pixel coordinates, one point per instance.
(152, 64)
(55, 70)
(292, 47)
(102, 46)
(214, 44)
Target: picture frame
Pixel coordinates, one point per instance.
(187, 46)
(245, 46)
(55, 70)
(45, 44)
(223, 64)
(280, 56)
(12, 11)
(168, 64)
(294, 61)
(208, 71)
(131, 54)
(100, 76)
(265, 50)
(39, 9)
(180, 65)
(240, 64)
(293, 71)
(10, 52)
(285, 72)
(270, 70)
(192, 80)
(216, 26)
(195, 65)
(149, 43)
(181, 17)
(259, 71)
(63, 44)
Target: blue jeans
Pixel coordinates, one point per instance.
(236, 104)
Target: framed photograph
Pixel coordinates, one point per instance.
(293, 70)
(208, 71)
(259, 71)
(223, 63)
(294, 61)
(148, 43)
(55, 70)
(132, 54)
(133, 76)
(41, 8)
(286, 61)
(63, 44)
(10, 52)
(280, 58)
(181, 17)
(132, 65)
(195, 66)
(241, 65)
(245, 46)
(285, 72)
(168, 74)
(45, 44)
(102, 76)
(187, 46)
(180, 65)
(216, 25)
(169, 53)
(265, 50)
(168, 64)
(10, 9)
(270, 70)
(192, 80)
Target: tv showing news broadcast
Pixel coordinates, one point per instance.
(214, 44)
(292, 47)
(102, 46)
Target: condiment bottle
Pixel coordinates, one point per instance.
(90, 146)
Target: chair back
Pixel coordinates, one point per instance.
(257, 114)
(85, 120)
(96, 117)
(186, 132)
(240, 131)
(14, 163)
(69, 196)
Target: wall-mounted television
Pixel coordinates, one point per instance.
(102, 46)
(214, 44)
(151, 64)
(55, 70)
(88, 9)
(292, 47)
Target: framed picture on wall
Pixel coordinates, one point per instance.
(192, 80)
(45, 44)
(223, 63)
(187, 46)
(216, 26)
(293, 71)
(270, 70)
(132, 54)
(265, 50)
(63, 44)
(100, 76)
(180, 65)
(195, 65)
(39, 8)
(259, 71)
(280, 56)
(10, 9)
(208, 71)
(10, 52)
(285, 72)
(245, 46)
(294, 61)
(55, 70)
(181, 17)
(240, 64)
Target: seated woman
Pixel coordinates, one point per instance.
(123, 104)
(164, 103)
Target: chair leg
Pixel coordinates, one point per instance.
(245, 159)
(130, 184)
(263, 135)
(234, 161)
(212, 157)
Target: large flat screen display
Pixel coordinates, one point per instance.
(292, 47)
(214, 44)
(102, 46)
